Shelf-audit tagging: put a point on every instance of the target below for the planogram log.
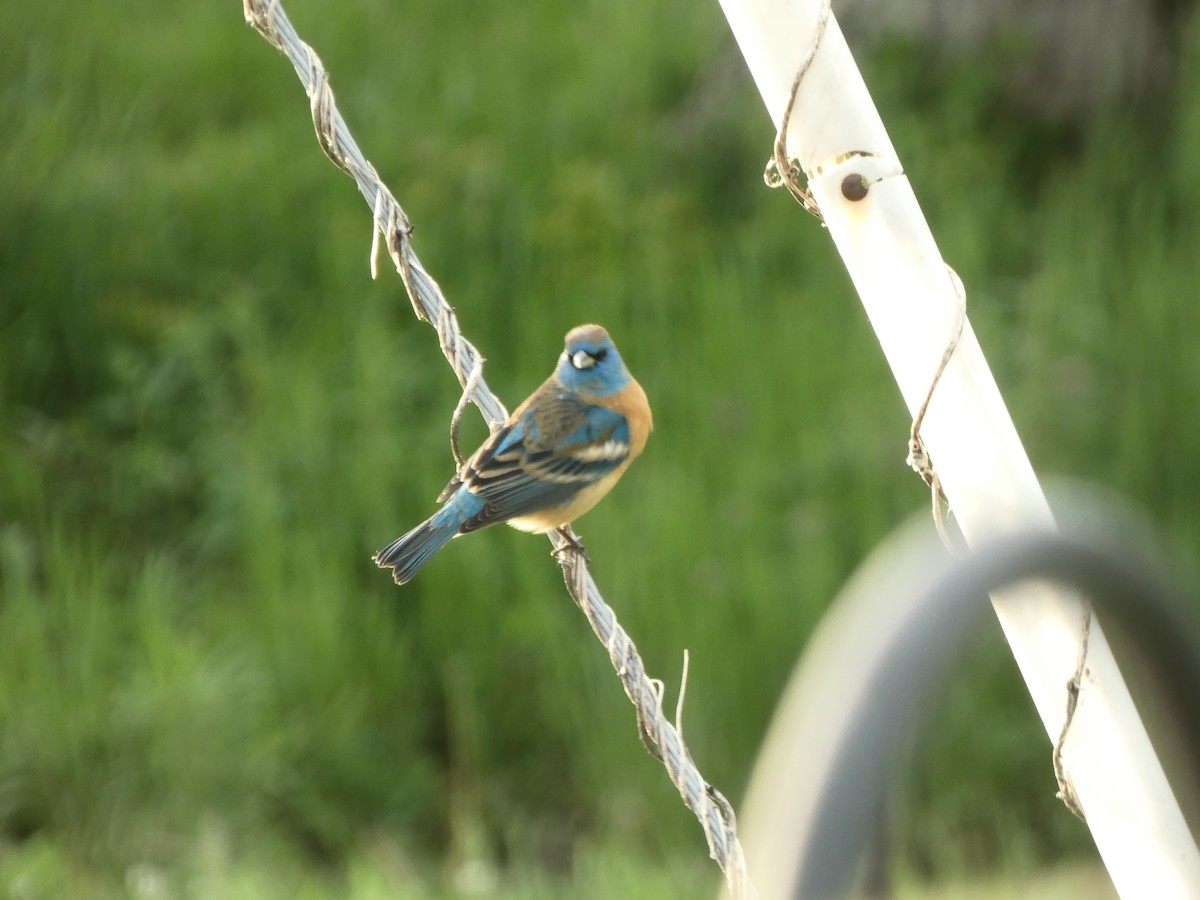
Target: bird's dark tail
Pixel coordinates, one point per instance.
(407, 555)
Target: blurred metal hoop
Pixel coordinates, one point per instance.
(876, 662)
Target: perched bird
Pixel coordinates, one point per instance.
(560, 452)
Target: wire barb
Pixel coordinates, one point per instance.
(662, 739)
(468, 393)
(682, 692)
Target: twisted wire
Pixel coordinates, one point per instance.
(269, 20)
(662, 739)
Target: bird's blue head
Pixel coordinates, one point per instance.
(591, 364)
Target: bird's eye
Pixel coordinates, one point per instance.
(601, 355)
(581, 359)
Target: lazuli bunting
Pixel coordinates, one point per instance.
(557, 455)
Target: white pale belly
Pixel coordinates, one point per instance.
(558, 516)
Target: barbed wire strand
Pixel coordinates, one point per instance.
(661, 739)
(270, 20)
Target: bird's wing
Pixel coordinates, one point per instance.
(542, 459)
(480, 459)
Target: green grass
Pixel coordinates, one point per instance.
(210, 417)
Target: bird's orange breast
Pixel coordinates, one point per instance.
(631, 403)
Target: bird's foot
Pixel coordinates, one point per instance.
(572, 545)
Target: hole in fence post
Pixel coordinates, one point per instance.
(854, 187)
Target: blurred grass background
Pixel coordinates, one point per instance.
(210, 417)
